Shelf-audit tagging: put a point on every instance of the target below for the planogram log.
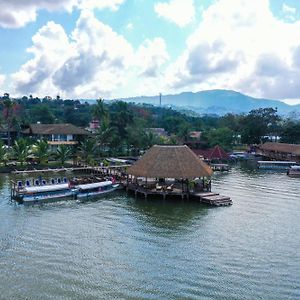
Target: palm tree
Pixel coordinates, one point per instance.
(104, 135)
(87, 149)
(41, 151)
(3, 153)
(99, 111)
(8, 116)
(21, 150)
(63, 152)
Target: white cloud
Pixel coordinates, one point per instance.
(129, 26)
(177, 11)
(98, 65)
(289, 12)
(288, 9)
(240, 45)
(2, 79)
(100, 4)
(88, 64)
(151, 56)
(50, 49)
(16, 13)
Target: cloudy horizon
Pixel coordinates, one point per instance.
(125, 48)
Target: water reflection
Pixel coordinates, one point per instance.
(172, 214)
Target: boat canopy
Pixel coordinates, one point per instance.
(296, 167)
(273, 162)
(93, 185)
(46, 188)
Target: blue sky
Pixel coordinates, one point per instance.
(123, 48)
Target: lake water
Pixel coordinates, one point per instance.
(119, 247)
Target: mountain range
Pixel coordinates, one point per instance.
(217, 102)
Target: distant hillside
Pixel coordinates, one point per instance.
(216, 102)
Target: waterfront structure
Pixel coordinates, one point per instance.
(173, 171)
(194, 140)
(275, 165)
(56, 134)
(280, 151)
(216, 153)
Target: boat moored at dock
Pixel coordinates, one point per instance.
(95, 189)
(53, 191)
(275, 165)
(294, 171)
(34, 194)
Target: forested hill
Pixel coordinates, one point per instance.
(218, 102)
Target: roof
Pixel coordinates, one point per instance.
(170, 162)
(281, 147)
(45, 129)
(94, 185)
(195, 134)
(46, 188)
(158, 131)
(217, 153)
(57, 143)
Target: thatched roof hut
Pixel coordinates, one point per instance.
(178, 162)
(281, 147)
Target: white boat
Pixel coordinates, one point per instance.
(95, 189)
(54, 192)
(275, 165)
(33, 194)
(239, 155)
(294, 171)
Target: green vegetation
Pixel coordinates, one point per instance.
(124, 128)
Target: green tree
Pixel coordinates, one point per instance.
(105, 135)
(41, 151)
(259, 123)
(291, 132)
(121, 117)
(8, 116)
(87, 150)
(184, 132)
(3, 153)
(63, 153)
(220, 136)
(42, 113)
(21, 150)
(99, 111)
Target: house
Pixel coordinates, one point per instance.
(216, 153)
(194, 140)
(280, 151)
(56, 134)
(5, 133)
(93, 126)
(159, 132)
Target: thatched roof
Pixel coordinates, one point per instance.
(46, 129)
(170, 162)
(281, 147)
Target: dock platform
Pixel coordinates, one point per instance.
(213, 199)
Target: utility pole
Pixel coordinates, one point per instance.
(159, 99)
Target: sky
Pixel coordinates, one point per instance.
(125, 48)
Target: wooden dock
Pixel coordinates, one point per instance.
(213, 199)
(109, 170)
(210, 198)
(49, 170)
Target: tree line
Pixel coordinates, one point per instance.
(124, 127)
